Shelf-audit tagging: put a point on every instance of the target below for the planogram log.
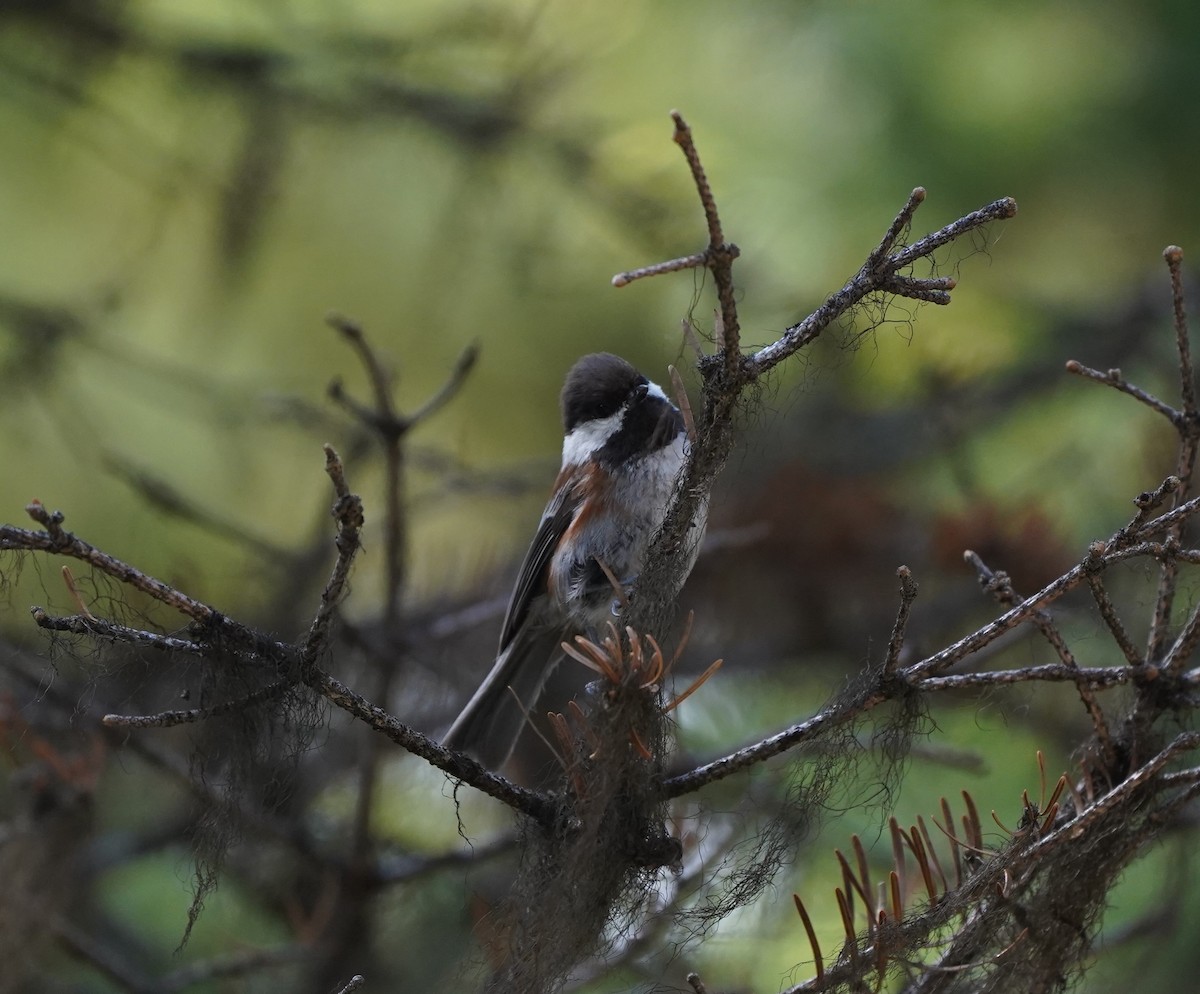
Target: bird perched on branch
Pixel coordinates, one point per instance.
(623, 448)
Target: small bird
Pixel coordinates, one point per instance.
(623, 448)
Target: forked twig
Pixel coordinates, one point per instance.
(1000, 586)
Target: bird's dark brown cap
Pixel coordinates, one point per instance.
(596, 387)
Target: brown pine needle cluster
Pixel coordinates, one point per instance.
(633, 661)
(643, 665)
(887, 905)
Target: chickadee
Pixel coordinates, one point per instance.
(623, 448)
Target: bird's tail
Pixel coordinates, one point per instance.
(491, 723)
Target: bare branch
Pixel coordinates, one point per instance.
(1115, 379)
(1109, 613)
(1006, 622)
(348, 511)
(458, 765)
(1097, 677)
(908, 594)
(697, 261)
(1173, 254)
(719, 255)
(877, 274)
(727, 376)
(55, 539)
(169, 719)
(1000, 586)
(110, 632)
(773, 745)
(899, 225)
(384, 414)
(449, 389)
(1139, 778)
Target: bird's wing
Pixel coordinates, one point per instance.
(492, 720)
(532, 579)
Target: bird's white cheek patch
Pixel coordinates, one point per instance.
(654, 390)
(586, 438)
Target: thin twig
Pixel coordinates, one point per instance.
(1189, 445)
(382, 379)
(923, 673)
(1070, 829)
(1096, 677)
(55, 539)
(392, 427)
(458, 765)
(1115, 379)
(348, 511)
(1109, 613)
(727, 376)
(773, 745)
(450, 386)
(697, 261)
(169, 719)
(908, 594)
(1173, 255)
(1000, 586)
(1166, 521)
(110, 632)
(984, 636)
(900, 224)
(1185, 643)
(868, 280)
(719, 254)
